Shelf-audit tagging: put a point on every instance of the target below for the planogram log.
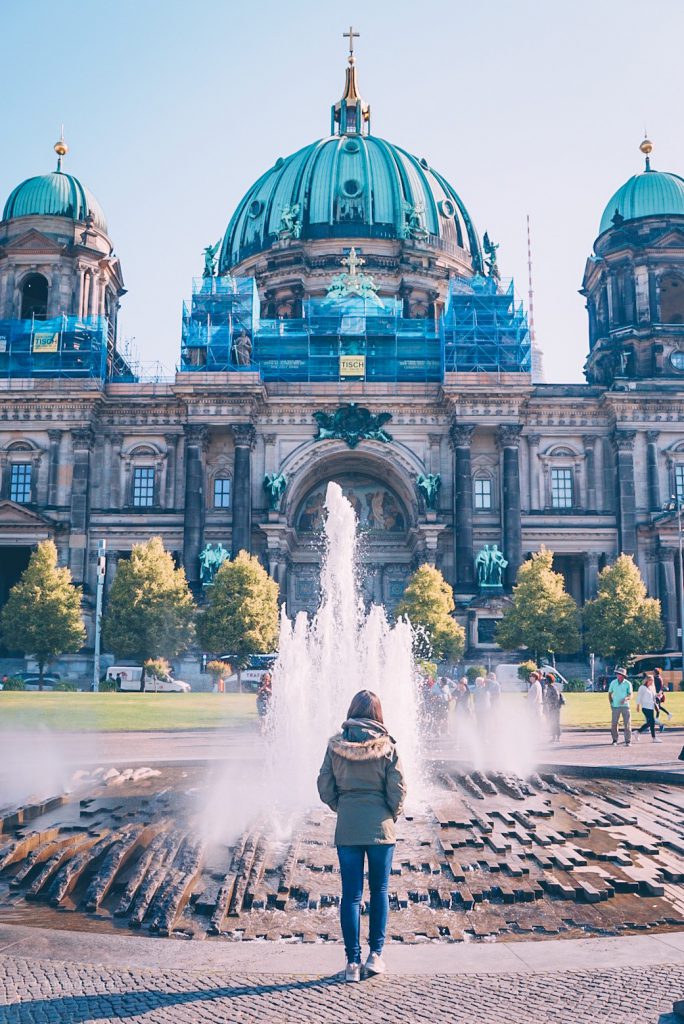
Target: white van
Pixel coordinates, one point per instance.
(508, 678)
(129, 677)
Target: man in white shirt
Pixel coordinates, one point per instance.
(619, 696)
(535, 701)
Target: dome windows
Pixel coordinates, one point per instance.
(352, 187)
(677, 360)
(255, 208)
(446, 208)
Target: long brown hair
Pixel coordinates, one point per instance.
(366, 705)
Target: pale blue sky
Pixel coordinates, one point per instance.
(172, 109)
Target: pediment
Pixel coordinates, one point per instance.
(34, 241)
(673, 238)
(12, 514)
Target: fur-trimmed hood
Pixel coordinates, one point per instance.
(362, 739)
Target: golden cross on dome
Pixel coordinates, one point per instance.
(352, 261)
(351, 35)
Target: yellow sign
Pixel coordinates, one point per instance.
(352, 366)
(45, 342)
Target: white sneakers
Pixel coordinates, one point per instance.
(375, 964)
(352, 972)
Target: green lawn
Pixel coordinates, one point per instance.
(111, 712)
(135, 712)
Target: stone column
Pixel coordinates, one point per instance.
(591, 570)
(536, 500)
(667, 587)
(623, 441)
(652, 470)
(82, 441)
(55, 437)
(170, 491)
(434, 449)
(115, 444)
(460, 438)
(507, 437)
(196, 439)
(609, 477)
(244, 435)
(589, 454)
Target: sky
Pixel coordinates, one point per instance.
(172, 109)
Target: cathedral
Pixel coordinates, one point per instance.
(351, 325)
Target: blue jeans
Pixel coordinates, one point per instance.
(351, 868)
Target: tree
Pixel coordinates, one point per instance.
(241, 616)
(151, 613)
(42, 615)
(542, 616)
(622, 620)
(427, 603)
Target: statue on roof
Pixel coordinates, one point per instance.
(290, 222)
(490, 253)
(414, 226)
(209, 254)
(351, 283)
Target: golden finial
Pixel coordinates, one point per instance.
(61, 149)
(646, 147)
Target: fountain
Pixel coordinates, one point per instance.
(487, 849)
(323, 662)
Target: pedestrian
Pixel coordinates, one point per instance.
(263, 700)
(535, 700)
(482, 706)
(463, 710)
(494, 690)
(646, 703)
(553, 701)
(362, 780)
(440, 695)
(619, 696)
(660, 698)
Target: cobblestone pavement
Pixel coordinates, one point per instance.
(53, 992)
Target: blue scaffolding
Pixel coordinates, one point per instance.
(64, 346)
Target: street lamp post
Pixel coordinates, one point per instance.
(676, 504)
(101, 572)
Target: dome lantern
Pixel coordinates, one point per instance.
(351, 114)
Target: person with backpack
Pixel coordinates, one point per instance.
(646, 702)
(553, 702)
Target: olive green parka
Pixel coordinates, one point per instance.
(362, 780)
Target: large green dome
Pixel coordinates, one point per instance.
(56, 195)
(649, 194)
(350, 185)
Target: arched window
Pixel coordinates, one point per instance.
(34, 297)
(672, 299)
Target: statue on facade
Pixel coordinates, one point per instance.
(209, 254)
(490, 254)
(489, 566)
(211, 558)
(274, 485)
(290, 223)
(352, 423)
(242, 348)
(428, 485)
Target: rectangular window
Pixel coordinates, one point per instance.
(20, 483)
(143, 487)
(679, 482)
(483, 493)
(221, 492)
(561, 488)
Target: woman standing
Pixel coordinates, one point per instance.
(646, 701)
(553, 702)
(263, 701)
(362, 780)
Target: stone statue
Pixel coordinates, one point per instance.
(490, 253)
(352, 423)
(210, 259)
(211, 558)
(274, 485)
(351, 283)
(242, 348)
(414, 226)
(489, 565)
(429, 485)
(290, 223)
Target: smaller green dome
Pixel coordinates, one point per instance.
(55, 195)
(649, 194)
